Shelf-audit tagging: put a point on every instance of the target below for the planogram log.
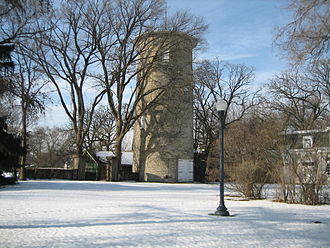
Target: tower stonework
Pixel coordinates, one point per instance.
(163, 140)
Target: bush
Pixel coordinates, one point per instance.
(248, 145)
(7, 180)
(248, 179)
(10, 149)
(301, 183)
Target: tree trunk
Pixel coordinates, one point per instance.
(22, 175)
(79, 165)
(118, 154)
(78, 157)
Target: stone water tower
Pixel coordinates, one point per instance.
(163, 136)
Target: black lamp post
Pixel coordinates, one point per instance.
(221, 106)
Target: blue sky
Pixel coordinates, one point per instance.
(240, 32)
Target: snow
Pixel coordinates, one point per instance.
(59, 213)
(7, 174)
(127, 156)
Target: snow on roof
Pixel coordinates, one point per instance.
(306, 131)
(126, 157)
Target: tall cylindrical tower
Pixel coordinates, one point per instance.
(163, 141)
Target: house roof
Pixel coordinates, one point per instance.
(127, 156)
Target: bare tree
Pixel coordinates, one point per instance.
(127, 57)
(18, 18)
(50, 147)
(6, 66)
(307, 36)
(300, 101)
(99, 40)
(319, 74)
(250, 145)
(28, 86)
(300, 173)
(310, 174)
(184, 21)
(118, 57)
(16, 24)
(66, 54)
(215, 80)
(101, 132)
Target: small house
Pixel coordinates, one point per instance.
(309, 150)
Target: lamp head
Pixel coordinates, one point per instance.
(221, 105)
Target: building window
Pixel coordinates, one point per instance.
(307, 141)
(166, 56)
(142, 122)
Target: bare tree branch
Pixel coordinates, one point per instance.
(307, 36)
(215, 80)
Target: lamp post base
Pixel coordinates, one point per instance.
(221, 213)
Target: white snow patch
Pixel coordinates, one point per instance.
(127, 156)
(58, 213)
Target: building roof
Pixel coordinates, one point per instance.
(307, 131)
(127, 156)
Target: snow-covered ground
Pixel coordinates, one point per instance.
(59, 213)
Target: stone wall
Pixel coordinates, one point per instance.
(51, 173)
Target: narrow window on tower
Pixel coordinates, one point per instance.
(142, 122)
(166, 56)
